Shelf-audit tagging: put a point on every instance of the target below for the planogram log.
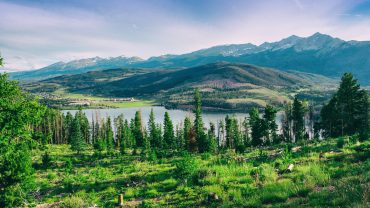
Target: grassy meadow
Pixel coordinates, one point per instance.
(331, 173)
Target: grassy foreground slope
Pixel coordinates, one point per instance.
(331, 173)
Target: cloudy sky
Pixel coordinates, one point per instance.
(36, 33)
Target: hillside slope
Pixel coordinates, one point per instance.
(223, 85)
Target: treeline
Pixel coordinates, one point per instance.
(345, 114)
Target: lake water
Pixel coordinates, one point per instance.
(177, 116)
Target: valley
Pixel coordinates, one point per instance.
(225, 87)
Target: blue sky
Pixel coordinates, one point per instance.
(36, 33)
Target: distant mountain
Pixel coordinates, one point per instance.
(223, 85)
(319, 53)
(75, 67)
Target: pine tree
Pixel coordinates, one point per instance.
(256, 124)
(346, 113)
(286, 122)
(298, 113)
(138, 129)
(77, 141)
(270, 120)
(109, 135)
(119, 124)
(229, 134)
(198, 122)
(212, 142)
(188, 133)
(155, 135)
(127, 139)
(246, 132)
(168, 132)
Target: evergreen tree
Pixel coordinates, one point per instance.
(188, 133)
(119, 124)
(298, 113)
(245, 134)
(286, 122)
(270, 120)
(180, 137)
(19, 113)
(229, 134)
(346, 113)
(77, 141)
(212, 142)
(155, 135)
(127, 139)
(138, 129)
(256, 124)
(198, 122)
(146, 143)
(109, 135)
(68, 126)
(168, 132)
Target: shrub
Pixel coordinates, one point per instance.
(186, 166)
(151, 193)
(46, 160)
(340, 142)
(168, 185)
(266, 173)
(74, 202)
(68, 166)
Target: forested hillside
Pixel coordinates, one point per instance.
(225, 86)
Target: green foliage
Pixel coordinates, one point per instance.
(46, 160)
(74, 202)
(198, 122)
(77, 141)
(138, 129)
(186, 166)
(16, 174)
(168, 133)
(298, 113)
(347, 112)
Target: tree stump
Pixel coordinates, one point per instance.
(120, 200)
(290, 168)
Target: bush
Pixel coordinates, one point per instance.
(68, 166)
(340, 142)
(46, 160)
(186, 166)
(74, 202)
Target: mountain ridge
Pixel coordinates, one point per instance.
(318, 53)
(224, 85)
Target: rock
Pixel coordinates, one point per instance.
(212, 197)
(296, 149)
(290, 168)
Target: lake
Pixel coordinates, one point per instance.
(177, 116)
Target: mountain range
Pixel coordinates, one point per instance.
(319, 53)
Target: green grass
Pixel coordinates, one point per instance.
(341, 178)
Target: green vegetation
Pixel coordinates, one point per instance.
(323, 176)
(224, 87)
(60, 160)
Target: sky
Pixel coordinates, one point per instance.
(36, 33)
